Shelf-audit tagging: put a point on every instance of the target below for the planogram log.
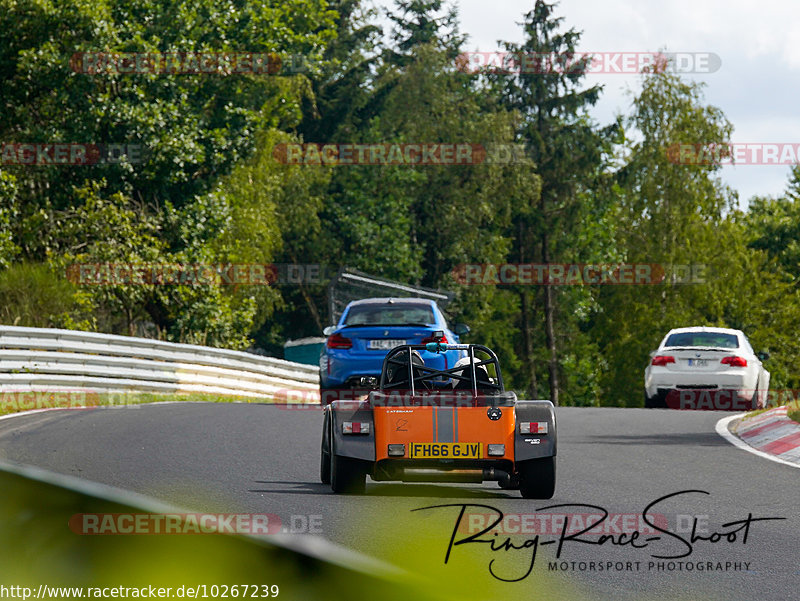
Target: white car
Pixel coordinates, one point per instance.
(706, 368)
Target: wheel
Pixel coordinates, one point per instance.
(754, 402)
(654, 402)
(348, 475)
(326, 395)
(537, 478)
(325, 454)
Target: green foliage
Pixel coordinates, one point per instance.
(35, 295)
(210, 190)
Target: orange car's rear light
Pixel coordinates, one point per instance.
(533, 427)
(355, 427)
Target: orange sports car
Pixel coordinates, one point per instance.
(423, 424)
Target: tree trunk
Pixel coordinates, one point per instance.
(527, 339)
(549, 329)
(533, 385)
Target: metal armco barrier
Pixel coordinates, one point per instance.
(43, 358)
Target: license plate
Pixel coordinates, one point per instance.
(698, 362)
(384, 345)
(445, 450)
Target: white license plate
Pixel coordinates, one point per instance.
(698, 362)
(384, 345)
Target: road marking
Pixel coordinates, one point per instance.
(32, 411)
(722, 430)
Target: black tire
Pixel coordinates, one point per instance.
(326, 395)
(537, 478)
(655, 402)
(325, 454)
(754, 400)
(348, 476)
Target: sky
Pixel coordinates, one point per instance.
(757, 84)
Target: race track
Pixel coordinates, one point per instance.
(256, 458)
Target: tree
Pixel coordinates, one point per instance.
(567, 150)
(670, 215)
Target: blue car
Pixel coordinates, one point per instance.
(369, 328)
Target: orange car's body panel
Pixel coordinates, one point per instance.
(428, 424)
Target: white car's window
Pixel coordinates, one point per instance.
(702, 339)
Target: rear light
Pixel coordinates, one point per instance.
(497, 450)
(339, 341)
(434, 338)
(397, 450)
(662, 360)
(533, 427)
(355, 427)
(734, 361)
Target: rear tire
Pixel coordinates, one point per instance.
(325, 454)
(754, 404)
(537, 478)
(348, 476)
(655, 402)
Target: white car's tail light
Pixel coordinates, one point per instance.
(397, 450)
(355, 427)
(533, 427)
(662, 360)
(497, 450)
(734, 361)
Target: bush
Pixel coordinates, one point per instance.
(34, 295)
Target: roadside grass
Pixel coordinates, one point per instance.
(792, 411)
(16, 401)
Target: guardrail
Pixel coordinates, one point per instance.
(43, 358)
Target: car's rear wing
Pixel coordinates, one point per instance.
(403, 357)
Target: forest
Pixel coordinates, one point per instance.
(224, 163)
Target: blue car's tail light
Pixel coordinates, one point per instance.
(339, 341)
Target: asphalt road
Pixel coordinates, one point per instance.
(255, 458)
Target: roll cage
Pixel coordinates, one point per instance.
(403, 356)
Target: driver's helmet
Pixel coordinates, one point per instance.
(399, 373)
(481, 375)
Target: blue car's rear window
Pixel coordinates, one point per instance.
(704, 339)
(396, 314)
